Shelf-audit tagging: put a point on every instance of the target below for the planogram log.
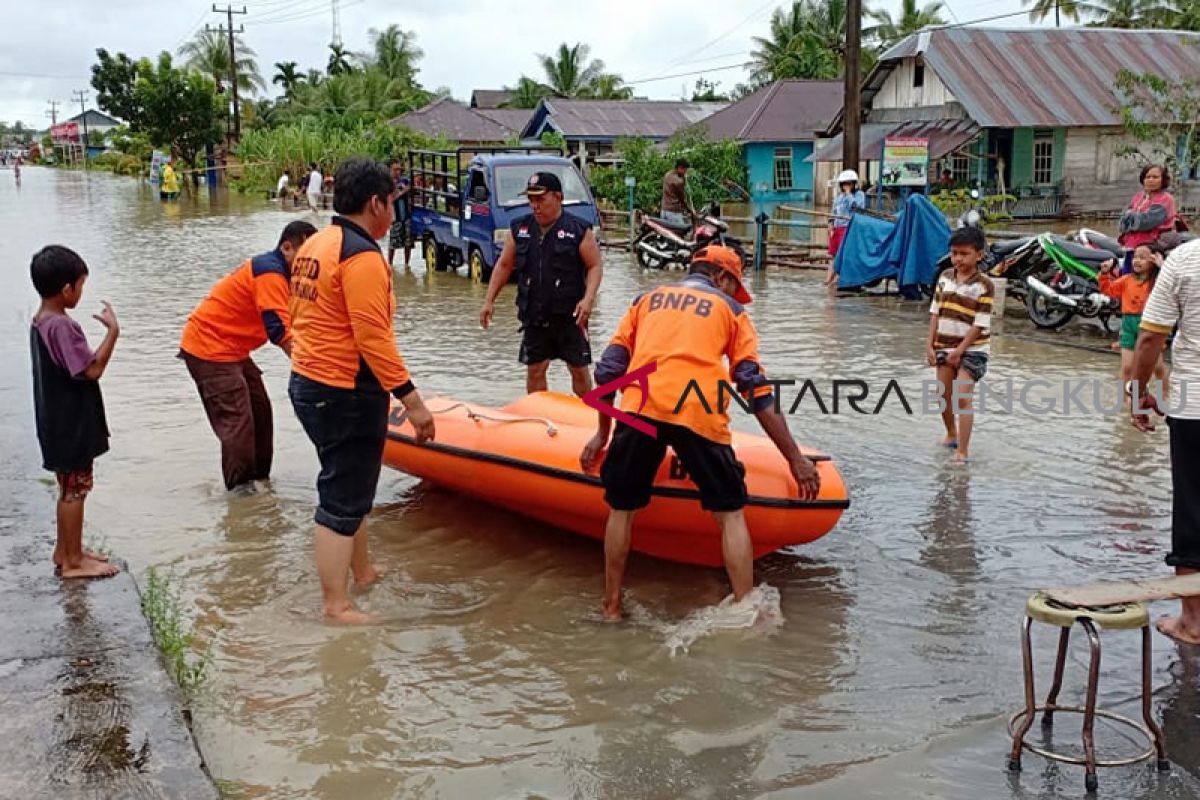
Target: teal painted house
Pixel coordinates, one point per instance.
(777, 127)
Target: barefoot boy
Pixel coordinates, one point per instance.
(71, 425)
(959, 326)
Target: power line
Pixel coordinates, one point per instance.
(302, 16)
(294, 8)
(727, 32)
(39, 75)
(742, 65)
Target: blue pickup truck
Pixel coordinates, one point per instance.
(470, 225)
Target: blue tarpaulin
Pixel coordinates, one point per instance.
(906, 251)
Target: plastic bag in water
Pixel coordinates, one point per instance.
(759, 610)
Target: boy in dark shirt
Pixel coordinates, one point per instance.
(69, 409)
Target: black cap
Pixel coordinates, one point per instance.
(542, 182)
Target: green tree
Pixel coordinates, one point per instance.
(339, 60)
(806, 40)
(113, 78)
(912, 18)
(208, 54)
(314, 77)
(527, 93)
(1181, 15)
(395, 53)
(607, 86)
(1061, 8)
(1126, 14)
(177, 109)
(1163, 116)
(569, 72)
(287, 76)
(717, 169)
(706, 92)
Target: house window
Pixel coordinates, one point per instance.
(1043, 157)
(918, 75)
(783, 169)
(960, 167)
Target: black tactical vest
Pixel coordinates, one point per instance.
(551, 276)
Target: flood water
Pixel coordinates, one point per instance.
(892, 676)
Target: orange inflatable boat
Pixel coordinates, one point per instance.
(525, 457)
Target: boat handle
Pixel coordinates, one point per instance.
(475, 416)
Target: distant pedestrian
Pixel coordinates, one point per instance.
(676, 207)
(1151, 212)
(281, 188)
(68, 407)
(243, 311)
(848, 198)
(315, 183)
(400, 235)
(170, 181)
(959, 331)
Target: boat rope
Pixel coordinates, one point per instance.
(475, 416)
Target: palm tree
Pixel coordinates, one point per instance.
(339, 60)
(608, 86)
(314, 77)
(912, 19)
(806, 41)
(1124, 13)
(1061, 8)
(208, 54)
(288, 76)
(569, 72)
(395, 52)
(527, 93)
(1181, 15)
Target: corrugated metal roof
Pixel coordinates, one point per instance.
(1028, 77)
(785, 111)
(490, 98)
(512, 118)
(945, 135)
(454, 120)
(611, 119)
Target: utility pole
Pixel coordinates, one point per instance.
(81, 96)
(53, 112)
(229, 11)
(850, 103)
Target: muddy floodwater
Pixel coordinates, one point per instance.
(893, 674)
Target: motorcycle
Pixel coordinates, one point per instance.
(1012, 259)
(1068, 285)
(661, 244)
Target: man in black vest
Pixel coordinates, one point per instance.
(557, 261)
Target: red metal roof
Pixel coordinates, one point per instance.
(784, 111)
(945, 136)
(1029, 77)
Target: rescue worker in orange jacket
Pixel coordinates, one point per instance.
(344, 365)
(243, 311)
(695, 329)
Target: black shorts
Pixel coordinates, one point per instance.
(558, 339)
(349, 428)
(633, 460)
(1185, 493)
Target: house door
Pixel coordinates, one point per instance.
(1000, 152)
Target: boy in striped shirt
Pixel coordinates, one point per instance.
(959, 328)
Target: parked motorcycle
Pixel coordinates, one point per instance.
(1068, 285)
(662, 245)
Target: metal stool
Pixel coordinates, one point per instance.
(1127, 616)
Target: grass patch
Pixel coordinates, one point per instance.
(175, 635)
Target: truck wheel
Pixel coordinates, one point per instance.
(478, 269)
(435, 258)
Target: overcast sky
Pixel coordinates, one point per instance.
(487, 46)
